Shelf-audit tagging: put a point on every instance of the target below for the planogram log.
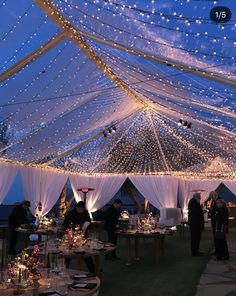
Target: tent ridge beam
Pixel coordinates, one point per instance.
(74, 34)
(169, 63)
(43, 49)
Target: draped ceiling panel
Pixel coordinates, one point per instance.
(56, 110)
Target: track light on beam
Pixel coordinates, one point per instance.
(109, 130)
(184, 123)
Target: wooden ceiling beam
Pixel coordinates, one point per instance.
(51, 11)
(203, 73)
(33, 56)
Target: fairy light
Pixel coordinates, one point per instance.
(30, 84)
(126, 64)
(123, 31)
(20, 18)
(50, 131)
(24, 44)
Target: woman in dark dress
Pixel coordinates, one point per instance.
(222, 222)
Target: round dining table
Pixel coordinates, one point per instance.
(95, 251)
(52, 285)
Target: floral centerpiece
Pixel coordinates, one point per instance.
(24, 270)
(148, 223)
(46, 223)
(74, 238)
(124, 215)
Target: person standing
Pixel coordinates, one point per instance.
(18, 217)
(212, 211)
(222, 223)
(195, 222)
(111, 221)
(79, 216)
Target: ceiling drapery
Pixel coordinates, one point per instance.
(62, 102)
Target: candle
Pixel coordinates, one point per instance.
(48, 261)
(20, 271)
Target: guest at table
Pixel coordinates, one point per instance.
(195, 222)
(18, 217)
(222, 223)
(111, 221)
(212, 212)
(79, 216)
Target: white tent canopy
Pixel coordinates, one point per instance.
(116, 88)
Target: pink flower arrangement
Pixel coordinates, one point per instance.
(25, 267)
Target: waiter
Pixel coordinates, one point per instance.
(15, 220)
(79, 216)
(111, 221)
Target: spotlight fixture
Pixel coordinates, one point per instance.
(180, 122)
(109, 130)
(113, 129)
(189, 125)
(184, 123)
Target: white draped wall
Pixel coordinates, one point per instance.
(42, 185)
(46, 185)
(105, 187)
(160, 191)
(7, 176)
(187, 186)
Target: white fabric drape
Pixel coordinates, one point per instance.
(7, 176)
(186, 188)
(42, 185)
(231, 185)
(160, 191)
(105, 187)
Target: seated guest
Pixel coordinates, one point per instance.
(111, 221)
(79, 216)
(18, 217)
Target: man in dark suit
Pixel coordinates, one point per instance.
(79, 216)
(111, 220)
(16, 219)
(195, 222)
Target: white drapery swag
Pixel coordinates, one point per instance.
(105, 187)
(231, 185)
(160, 191)
(187, 186)
(7, 176)
(42, 185)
